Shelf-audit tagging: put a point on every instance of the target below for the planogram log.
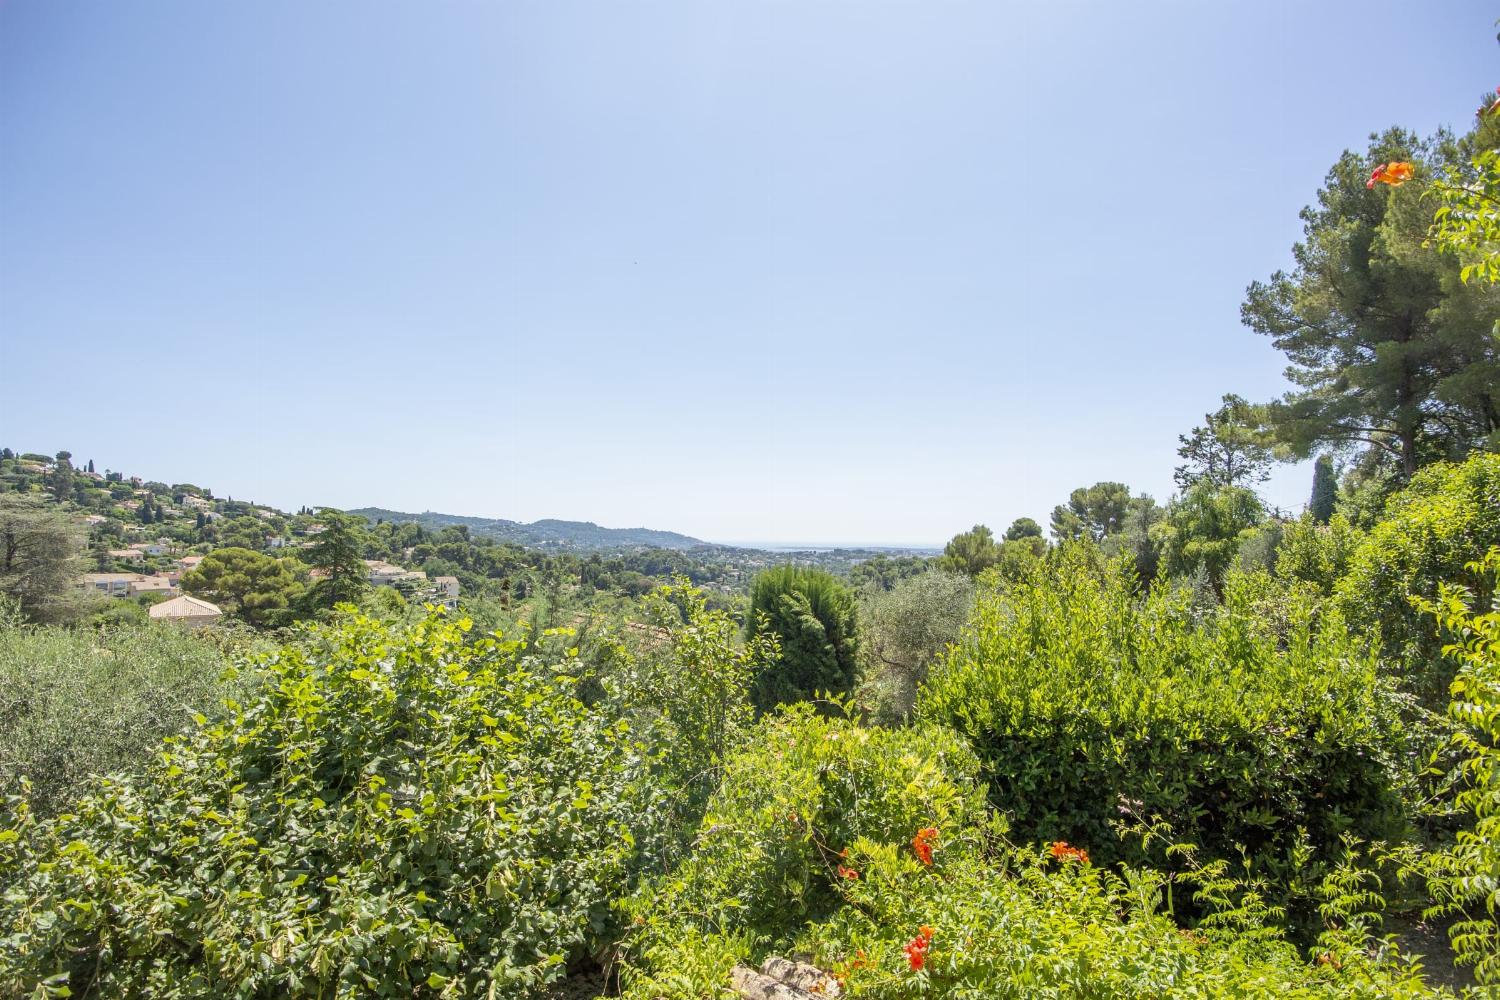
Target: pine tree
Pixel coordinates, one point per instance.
(40, 550)
(1233, 448)
(337, 553)
(1388, 350)
(62, 478)
(1324, 490)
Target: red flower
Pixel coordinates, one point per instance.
(923, 843)
(848, 873)
(1062, 852)
(1395, 173)
(916, 948)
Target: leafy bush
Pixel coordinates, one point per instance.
(392, 812)
(1085, 704)
(1032, 924)
(1317, 552)
(904, 629)
(683, 679)
(767, 853)
(815, 619)
(76, 703)
(1447, 519)
(1258, 546)
(845, 844)
(1466, 878)
(1205, 527)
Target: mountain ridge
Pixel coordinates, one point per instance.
(546, 532)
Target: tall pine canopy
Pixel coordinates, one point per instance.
(1388, 348)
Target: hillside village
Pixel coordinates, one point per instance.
(144, 536)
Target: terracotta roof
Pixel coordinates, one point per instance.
(184, 607)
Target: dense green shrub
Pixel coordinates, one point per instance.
(1206, 527)
(1317, 552)
(814, 617)
(75, 703)
(809, 849)
(682, 678)
(1258, 547)
(767, 853)
(1030, 925)
(1465, 879)
(392, 812)
(904, 629)
(1448, 518)
(1085, 704)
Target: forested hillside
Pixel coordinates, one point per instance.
(546, 532)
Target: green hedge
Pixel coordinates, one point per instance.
(1089, 706)
(1447, 518)
(393, 812)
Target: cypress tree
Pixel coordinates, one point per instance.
(1324, 489)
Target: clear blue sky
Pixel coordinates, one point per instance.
(797, 271)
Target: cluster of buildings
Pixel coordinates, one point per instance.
(193, 612)
(138, 551)
(441, 590)
(136, 584)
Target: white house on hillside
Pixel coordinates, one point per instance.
(153, 585)
(109, 584)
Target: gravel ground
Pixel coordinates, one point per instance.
(1430, 940)
(580, 986)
